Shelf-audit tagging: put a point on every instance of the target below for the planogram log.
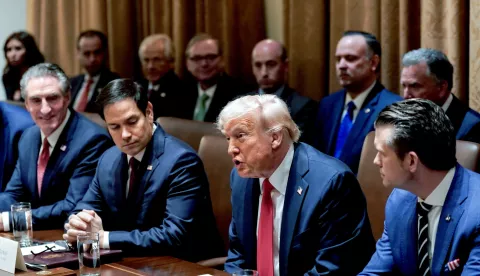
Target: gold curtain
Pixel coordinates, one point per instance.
(57, 23)
(313, 28)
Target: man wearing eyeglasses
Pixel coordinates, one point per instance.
(162, 85)
(209, 88)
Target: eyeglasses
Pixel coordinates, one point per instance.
(209, 58)
(60, 246)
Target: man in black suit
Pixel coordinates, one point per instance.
(92, 52)
(270, 67)
(209, 88)
(160, 82)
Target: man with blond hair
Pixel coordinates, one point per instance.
(295, 210)
(162, 85)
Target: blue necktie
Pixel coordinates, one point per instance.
(344, 130)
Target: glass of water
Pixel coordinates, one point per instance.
(246, 272)
(88, 254)
(22, 223)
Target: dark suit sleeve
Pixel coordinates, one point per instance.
(15, 190)
(80, 180)
(306, 122)
(186, 195)
(472, 265)
(382, 261)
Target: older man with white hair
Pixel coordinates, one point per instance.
(295, 210)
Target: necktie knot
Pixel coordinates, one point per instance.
(267, 187)
(133, 164)
(46, 145)
(350, 108)
(423, 208)
(204, 98)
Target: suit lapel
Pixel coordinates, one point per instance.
(453, 208)
(295, 193)
(405, 231)
(119, 183)
(336, 113)
(250, 205)
(456, 113)
(78, 86)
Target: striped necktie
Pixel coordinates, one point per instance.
(423, 242)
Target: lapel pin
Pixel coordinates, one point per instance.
(367, 110)
(163, 94)
(63, 147)
(448, 218)
(299, 190)
(149, 167)
(452, 265)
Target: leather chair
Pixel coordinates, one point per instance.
(218, 165)
(468, 155)
(96, 118)
(191, 132)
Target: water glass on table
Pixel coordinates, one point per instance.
(246, 272)
(22, 223)
(88, 254)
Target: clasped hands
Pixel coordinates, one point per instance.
(82, 222)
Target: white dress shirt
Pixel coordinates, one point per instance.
(139, 157)
(358, 101)
(447, 103)
(277, 93)
(209, 91)
(90, 91)
(52, 141)
(436, 199)
(279, 180)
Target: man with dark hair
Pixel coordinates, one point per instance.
(346, 117)
(57, 157)
(208, 87)
(432, 216)
(270, 67)
(150, 194)
(428, 74)
(92, 53)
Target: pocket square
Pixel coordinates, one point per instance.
(452, 265)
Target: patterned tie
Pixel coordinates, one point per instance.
(202, 109)
(265, 232)
(82, 104)
(42, 164)
(423, 242)
(133, 164)
(344, 130)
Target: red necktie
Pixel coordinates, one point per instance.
(133, 164)
(42, 164)
(82, 104)
(265, 233)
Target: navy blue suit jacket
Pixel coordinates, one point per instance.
(330, 115)
(325, 228)
(69, 171)
(13, 121)
(456, 238)
(170, 212)
(465, 121)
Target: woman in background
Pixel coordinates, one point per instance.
(21, 52)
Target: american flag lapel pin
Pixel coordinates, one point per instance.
(149, 168)
(63, 147)
(452, 265)
(299, 190)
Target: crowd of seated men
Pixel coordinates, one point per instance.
(297, 206)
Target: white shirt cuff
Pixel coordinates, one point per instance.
(106, 242)
(6, 221)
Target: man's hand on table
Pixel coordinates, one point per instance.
(79, 224)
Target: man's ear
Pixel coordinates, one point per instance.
(411, 161)
(375, 62)
(149, 112)
(277, 138)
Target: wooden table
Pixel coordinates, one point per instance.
(159, 265)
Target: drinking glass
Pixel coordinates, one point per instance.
(22, 223)
(89, 254)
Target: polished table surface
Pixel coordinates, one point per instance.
(158, 265)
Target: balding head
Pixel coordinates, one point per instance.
(270, 65)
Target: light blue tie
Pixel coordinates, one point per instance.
(344, 130)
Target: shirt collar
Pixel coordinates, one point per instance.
(447, 103)
(139, 156)
(277, 93)
(94, 78)
(152, 86)
(279, 178)
(437, 197)
(358, 101)
(53, 138)
(209, 91)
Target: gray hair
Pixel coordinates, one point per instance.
(43, 70)
(272, 111)
(167, 42)
(439, 67)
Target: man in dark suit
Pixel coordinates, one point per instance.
(346, 117)
(57, 156)
(296, 210)
(428, 74)
(270, 67)
(432, 216)
(208, 88)
(150, 194)
(13, 121)
(92, 53)
(163, 87)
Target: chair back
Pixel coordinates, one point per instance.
(191, 132)
(218, 165)
(468, 154)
